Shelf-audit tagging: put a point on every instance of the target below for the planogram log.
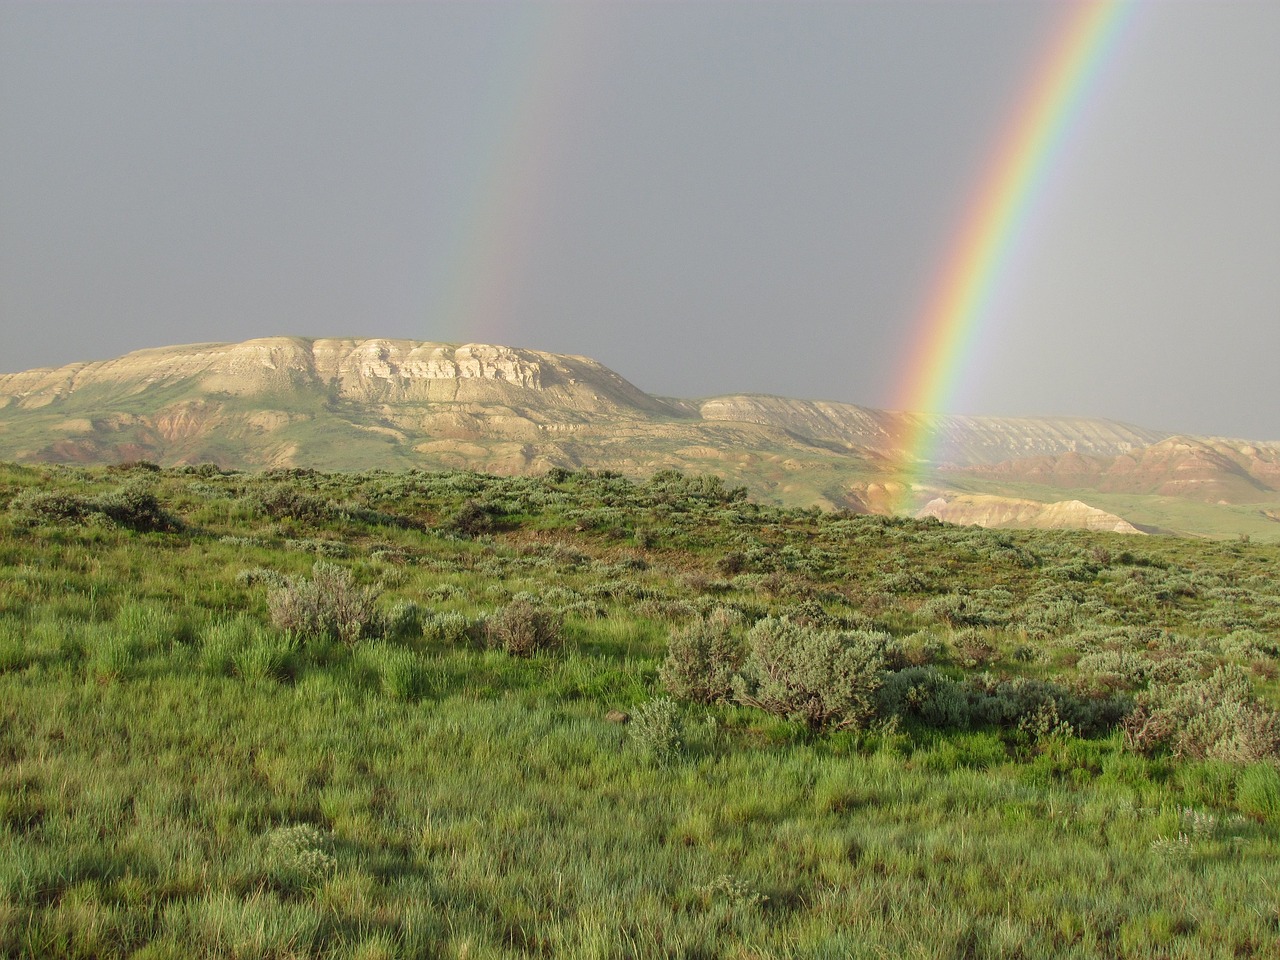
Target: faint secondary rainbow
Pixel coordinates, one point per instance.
(951, 326)
(495, 221)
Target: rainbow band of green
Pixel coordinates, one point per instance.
(950, 326)
(495, 221)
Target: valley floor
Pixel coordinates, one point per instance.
(1067, 747)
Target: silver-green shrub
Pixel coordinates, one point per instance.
(825, 679)
(1216, 718)
(328, 606)
(448, 626)
(926, 694)
(1119, 669)
(1248, 645)
(656, 730)
(703, 657)
(520, 628)
(732, 891)
(957, 610)
(262, 575)
(404, 621)
(297, 857)
(133, 506)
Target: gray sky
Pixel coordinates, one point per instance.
(708, 197)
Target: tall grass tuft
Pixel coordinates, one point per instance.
(14, 654)
(267, 657)
(241, 646)
(1258, 791)
(401, 674)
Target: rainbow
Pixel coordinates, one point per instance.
(950, 327)
(493, 226)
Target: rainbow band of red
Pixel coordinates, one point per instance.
(948, 331)
(494, 223)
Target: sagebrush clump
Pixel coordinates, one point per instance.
(927, 695)
(702, 659)
(1217, 718)
(655, 729)
(825, 679)
(133, 506)
(522, 628)
(297, 857)
(329, 606)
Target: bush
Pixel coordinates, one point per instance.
(329, 606)
(1217, 718)
(520, 628)
(702, 659)
(321, 548)
(32, 506)
(262, 575)
(927, 695)
(1248, 645)
(957, 610)
(973, 649)
(447, 627)
(823, 678)
(285, 502)
(1115, 668)
(135, 507)
(732, 891)
(471, 519)
(1039, 708)
(655, 729)
(404, 622)
(733, 562)
(297, 857)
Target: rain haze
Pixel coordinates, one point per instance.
(706, 197)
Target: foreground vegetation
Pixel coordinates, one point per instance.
(295, 714)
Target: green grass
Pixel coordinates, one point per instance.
(180, 778)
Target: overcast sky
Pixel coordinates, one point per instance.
(708, 197)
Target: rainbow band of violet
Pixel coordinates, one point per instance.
(949, 329)
(494, 222)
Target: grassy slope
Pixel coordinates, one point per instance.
(158, 735)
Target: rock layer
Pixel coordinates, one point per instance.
(361, 371)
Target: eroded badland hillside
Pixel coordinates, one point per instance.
(359, 404)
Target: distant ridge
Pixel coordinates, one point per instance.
(352, 404)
